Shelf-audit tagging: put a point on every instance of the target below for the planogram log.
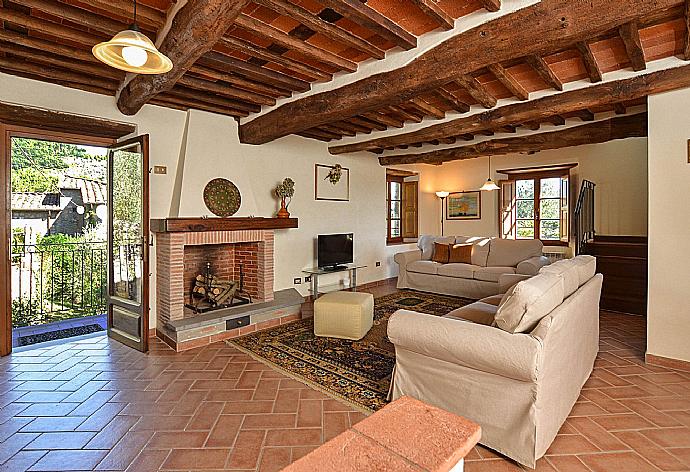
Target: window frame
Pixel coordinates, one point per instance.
(389, 210)
(537, 176)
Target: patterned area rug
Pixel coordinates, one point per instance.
(356, 371)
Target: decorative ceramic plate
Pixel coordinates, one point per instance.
(222, 197)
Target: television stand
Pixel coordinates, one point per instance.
(315, 272)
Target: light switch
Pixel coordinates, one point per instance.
(160, 169)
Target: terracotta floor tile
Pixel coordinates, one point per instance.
(622, 461)
(112, 432)
(47, 423)
(669, 437)
(567, 464)
(309, 414)
(225, 431)
(247, 450)
(177, 439)
(571, 444)
(294, 437)
(650, 451)
(205, 417)
(68, 460)
(61, 440)
(22, 461)
(273, 420)
(197, 459)
(274, 459)
(621, 422)
(148, 461)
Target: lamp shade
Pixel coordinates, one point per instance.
(132, 51)
(442, 194)
(489, 186)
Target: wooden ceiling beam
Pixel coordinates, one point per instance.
(589, 61)
(318, 25)
(477, 91)
(605, 93)
(224, 90)
(242, 108)
(48, 27)
(600, 132)
(251, 71)
(431, 9)
(619, 109)
(196, 28)
(365, 16)
(76, 15)
(384, 119)
(318, 135)
(185, 102)
(686, 17)
(553, 25)
(56, 73)
(49, 120)
(630, 34)
(547, 75)
(146, 15)
(407, 116)
(584, 115)
(47, 46)
(491, 5)
(427, 108)
(509, 82)
(260, 28)
(365, 123)
(215, 75)
(453, 101)
(250, 49)
(332, 128)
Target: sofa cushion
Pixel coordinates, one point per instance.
(491, 274)
(528, 302)
(586, 267)
(441, 253)
(461, 271)
(509, 252)
(567, 269)
(460, 253)
(426, 244)
(424, 267)
(480, 250)
(494, 300)
(477, 312)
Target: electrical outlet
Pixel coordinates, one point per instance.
(378, 263)
(307, 279)
(160, 170)
(297, 280)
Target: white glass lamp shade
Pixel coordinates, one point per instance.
(132, 51)
(489, 186)
(442, 194)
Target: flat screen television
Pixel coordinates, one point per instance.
(334, 250)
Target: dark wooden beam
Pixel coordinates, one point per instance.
(427, 108)
(593, 133)
(57, 73)
(224, 90)
(77, 15)
(407, 116)
(453, 101)
(49, 120)
(491, 5)
(686, 46)
(584, 115)
(619, 109)
(509, 82)
(547, 75)
(605, 93)
(556, 120)
(318, 25)
(553, 25)
(589, 61)
(48, 27)
(369, 18)
(630, 34)
(146, 16)
(385, 119)
(258, 52)
(196, 28)
(215, 75)
(260, 28)
(477, 91)
(431, 9)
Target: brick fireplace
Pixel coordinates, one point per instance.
(184, 247)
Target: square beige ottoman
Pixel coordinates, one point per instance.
(346, 315)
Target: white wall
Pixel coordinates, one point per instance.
(619, 168)
(199, 146)
(668, 314)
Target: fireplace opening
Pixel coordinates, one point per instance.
(211, 292)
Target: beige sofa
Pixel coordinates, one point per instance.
(516, 372)
(491, 259)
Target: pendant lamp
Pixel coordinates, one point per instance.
(132, 51)
(490, 185)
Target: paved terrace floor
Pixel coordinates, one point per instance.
(94, 404)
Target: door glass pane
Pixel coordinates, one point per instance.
(550, 188)
(395, 228)
(550, 209)
(395, 191)
(127, 224)
(395, 209)
(550, 229)
(524, 188)
(525, 229)
(525, 209)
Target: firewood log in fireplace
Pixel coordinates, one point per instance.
(214, 290)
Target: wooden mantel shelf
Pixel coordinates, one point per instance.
(189, 225)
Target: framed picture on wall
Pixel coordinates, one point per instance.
(326, 189)
(464, 206)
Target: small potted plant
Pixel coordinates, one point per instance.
(285, 190)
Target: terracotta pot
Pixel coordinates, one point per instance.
(283, 213)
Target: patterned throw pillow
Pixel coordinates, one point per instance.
(441, 253)
(460, 254)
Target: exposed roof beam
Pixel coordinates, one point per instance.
(553, 25)
(630, 34)
(44, 26)
(197, 27)
(431, 9)
(454, 101)
(260, 28)
(589, 61)
(477, 91)
(77, 15)
(491, 5)
(686, 48)
(599, 132)
(367, 17)
(509, 81)
(330, 30)
(427, 108)
(540, 65)
(605, 93)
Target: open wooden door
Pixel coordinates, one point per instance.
(128, 233)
